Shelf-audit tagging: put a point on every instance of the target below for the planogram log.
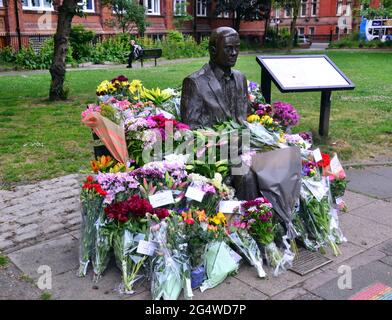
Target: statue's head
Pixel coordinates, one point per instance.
(224, 46)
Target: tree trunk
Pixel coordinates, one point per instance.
(237, 23)
(57, 70)
(292, 31)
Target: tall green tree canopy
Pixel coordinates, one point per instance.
(128, 15)
(248, 10)
(383, 11)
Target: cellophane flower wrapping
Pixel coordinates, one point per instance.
(166, 273)
(125, 243)
(246, 245)
(91, 209)
(316, 213)
(102, 248)
(220, 261)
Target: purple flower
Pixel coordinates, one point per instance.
(252, 86)
(285, 114)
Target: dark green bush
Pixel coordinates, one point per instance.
(81, 41)
(7, 54)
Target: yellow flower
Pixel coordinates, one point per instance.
(218, 219)
(136, 85)
(266, 119)
(282, 138)
(253, 118)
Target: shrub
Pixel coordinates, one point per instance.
(8, 54)
(27, 58)
(81, 41)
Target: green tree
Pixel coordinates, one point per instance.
(294, 6)
(181, 15)
(248, 10)
(383, 11)
(128, 15)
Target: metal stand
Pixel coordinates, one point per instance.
(325, 108)
(266, 85)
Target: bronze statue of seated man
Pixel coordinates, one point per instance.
(216, 93)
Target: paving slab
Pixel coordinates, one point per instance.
(13, 287)
(370, 183)
(387, 260)
(364, 232)
(382, 171)
(379, 211)
(290, 294)
(230, 289)
(328, 274)
(385, 247)
(348, 250)
(362, 277)
(273, 285)
(68, 286)
(356, 200)
(60, 254)
(309, 296)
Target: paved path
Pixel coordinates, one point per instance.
(53, 206)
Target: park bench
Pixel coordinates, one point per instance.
(150, 54)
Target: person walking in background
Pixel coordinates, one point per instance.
(135, 53)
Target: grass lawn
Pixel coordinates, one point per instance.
(40, 139)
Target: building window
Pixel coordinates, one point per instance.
(37, 5)
(311, 30)
(87, 5)
(314, 8)
(153, 7)
(277, 13)
(288, 12)
(339, 7)
(303, 7)
(1, 3)
(180, 7)
(201, 8)
(301, 31)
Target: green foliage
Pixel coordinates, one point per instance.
(27, 58)
(108, 111)
(80, 39)
(7, 54)
(114, 49)
(3, 261)
(353, 42)
(127, 14)
(46, 296)
(383, 11)
(183, 17)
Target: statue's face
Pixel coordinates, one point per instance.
(227, 51)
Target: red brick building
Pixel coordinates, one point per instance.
(35, 19)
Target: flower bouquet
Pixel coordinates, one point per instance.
(257, 216)
(246, 245)
(205, 193)
(154, 133)
(102, 248)
(219, 261)
(171, 266)
(91, 198)
(128, 225)
(315, 209)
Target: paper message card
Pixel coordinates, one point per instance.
(317, 155)
(162, 198)
(195, 194)
(146, 247)
(228, 206)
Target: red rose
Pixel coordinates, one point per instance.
(161, 213)
(326, 160)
